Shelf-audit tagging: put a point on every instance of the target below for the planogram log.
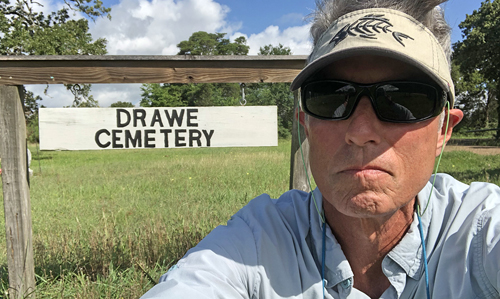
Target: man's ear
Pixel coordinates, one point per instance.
(455, 115)
(301, 116)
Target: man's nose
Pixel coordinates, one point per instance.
(364, 126)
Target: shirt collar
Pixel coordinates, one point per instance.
(337, 268)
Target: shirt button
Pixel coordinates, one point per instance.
(346, 283)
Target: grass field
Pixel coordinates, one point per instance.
(108, 223)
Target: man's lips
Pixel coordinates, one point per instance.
(366, 170)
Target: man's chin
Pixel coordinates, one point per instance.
(367, 206)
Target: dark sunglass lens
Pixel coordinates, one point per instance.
(328, 99)
(406, 101)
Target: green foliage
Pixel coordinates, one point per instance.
(31, 104)
(23, 31)
(223, 94)
(27, 32)
(32, 130)
(182, 95)
(208, 94)
(121, 104)
(479, 52)
(82, 97)
(278, 94)
(272, 50)
(477, 99)
(163, 95)
(480, 48)
(203, 43)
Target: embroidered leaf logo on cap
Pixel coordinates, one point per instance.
(368, 27)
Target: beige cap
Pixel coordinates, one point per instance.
(385, 32)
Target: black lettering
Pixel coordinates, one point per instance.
(175, 117)
(190, 117)
(119, 122)
(165, 135)
(178, 138)
(156, 118)
(192, 137)
(136, 141)
(208, 135)
(148, 139)
(139, 114)
(115, 138)
(98, 134)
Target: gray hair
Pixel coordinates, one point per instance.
(441, 121)
(426, 12)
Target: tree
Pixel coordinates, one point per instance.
(31, 103)
(206, 94)
(476, 97)
(479, 52)
(121, 104)
(278, 94)
(163, 95)
(272, 50)
(203, 43)
(24, 31)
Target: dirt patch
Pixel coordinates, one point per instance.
(481, 150)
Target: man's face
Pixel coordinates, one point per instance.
(365, 167)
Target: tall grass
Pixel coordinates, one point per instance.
(107, 224)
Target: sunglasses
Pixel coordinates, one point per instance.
(398, 101)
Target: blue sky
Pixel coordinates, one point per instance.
(155, 27)
(256, 15)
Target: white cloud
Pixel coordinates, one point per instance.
(106, 94)
(296, 38)
(156, 27)
(57, 96)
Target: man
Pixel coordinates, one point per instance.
(379, 225)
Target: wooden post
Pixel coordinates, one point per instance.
(298, 177)
(16, 194)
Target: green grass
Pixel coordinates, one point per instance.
(469, 167)
(99, 216)
(106, 223)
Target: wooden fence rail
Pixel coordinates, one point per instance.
(20, 70)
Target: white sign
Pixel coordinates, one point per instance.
(115, 128)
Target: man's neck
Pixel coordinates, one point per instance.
(366, 241)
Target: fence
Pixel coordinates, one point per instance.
(25, 70)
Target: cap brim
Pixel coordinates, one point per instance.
(418, 47)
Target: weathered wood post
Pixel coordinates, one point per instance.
(298, 176)
(16, 195)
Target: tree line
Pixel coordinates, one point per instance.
(476, 68)
(223, 94)
(24, 31)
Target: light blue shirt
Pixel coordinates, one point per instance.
(272, 249)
